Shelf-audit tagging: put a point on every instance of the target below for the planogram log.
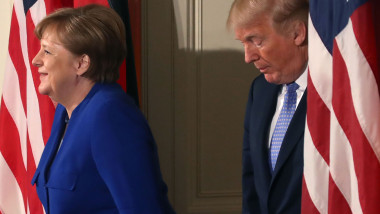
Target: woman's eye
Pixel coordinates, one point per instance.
(46, 52)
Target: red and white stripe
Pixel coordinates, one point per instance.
(342, 136)
(25, 115)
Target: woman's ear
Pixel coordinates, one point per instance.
(83, 64)
(300, 33)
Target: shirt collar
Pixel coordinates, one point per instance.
(301, 81)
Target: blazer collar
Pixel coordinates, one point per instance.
(58, 128)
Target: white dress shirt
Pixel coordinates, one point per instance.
(302, 82)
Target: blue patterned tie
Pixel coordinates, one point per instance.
(283, 121)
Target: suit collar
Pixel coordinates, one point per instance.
(57, 131)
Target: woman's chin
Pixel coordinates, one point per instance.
(43, 90)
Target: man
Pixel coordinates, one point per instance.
(274, 35)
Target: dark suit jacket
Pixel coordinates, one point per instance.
(263, 192)
(108, 160)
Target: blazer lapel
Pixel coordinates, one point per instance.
(52, 144)
(266, 101)
(293, 135)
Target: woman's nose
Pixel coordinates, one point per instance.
(36, 60)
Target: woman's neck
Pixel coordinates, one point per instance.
(76, 94)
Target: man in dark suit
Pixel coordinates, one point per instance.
(274, 35)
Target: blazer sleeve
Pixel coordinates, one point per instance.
(126, 157)
(250, 198)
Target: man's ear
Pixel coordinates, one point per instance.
(300, 33)
(83, 64)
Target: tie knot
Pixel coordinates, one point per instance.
(292, 87)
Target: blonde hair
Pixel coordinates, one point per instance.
(94, 30)
(282, 12)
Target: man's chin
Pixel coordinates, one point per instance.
(271, 79)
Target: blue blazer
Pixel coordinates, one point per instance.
(107, 162)
(264, 192)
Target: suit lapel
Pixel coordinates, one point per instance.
(264, 108)
(53, 143)
(293, 135)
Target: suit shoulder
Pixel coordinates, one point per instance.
(112, 93)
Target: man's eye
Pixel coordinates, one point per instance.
(46, 52)
(258, 42)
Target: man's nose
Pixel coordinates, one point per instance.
(251, 54)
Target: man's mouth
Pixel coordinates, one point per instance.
(263, 69)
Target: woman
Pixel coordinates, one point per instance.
(101, 156)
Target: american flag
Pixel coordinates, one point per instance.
(25, 115)
(342, 136)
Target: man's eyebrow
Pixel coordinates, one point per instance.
(250, 37)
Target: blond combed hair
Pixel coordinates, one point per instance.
(282, 12)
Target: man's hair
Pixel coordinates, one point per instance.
(94, 30)
(282, 12)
